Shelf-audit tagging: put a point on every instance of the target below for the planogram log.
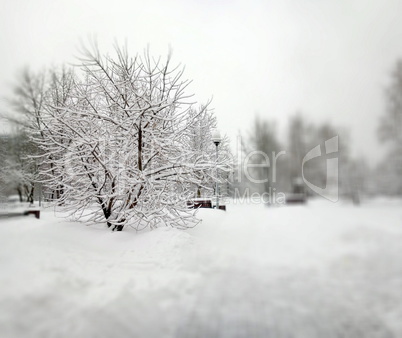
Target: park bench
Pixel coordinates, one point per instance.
(199, 203)
(36, 213)
(203, 203)
(296, 198)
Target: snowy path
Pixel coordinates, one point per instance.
(325, 270)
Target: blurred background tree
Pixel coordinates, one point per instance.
(389, 172)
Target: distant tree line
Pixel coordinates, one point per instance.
(277, 163)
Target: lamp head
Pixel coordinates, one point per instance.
(216, 137)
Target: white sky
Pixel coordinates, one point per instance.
(329, 59)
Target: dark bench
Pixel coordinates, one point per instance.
(200, 204)
(32, 212)
(36, 213)
(204, 204)
(296, 199)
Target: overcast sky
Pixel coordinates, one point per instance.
(330, 59)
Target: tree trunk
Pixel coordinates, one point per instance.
(31, 195)
(19, 194)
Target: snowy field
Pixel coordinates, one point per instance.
(321, 270)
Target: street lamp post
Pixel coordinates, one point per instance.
(216, 139)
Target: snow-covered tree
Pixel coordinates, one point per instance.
(18, 171)
(391, 123)
(58, 96)
(202, 147)
(390, 131)
(20, 164)
(298, 135)
(118, 144)
(262, 147)
(34, 93)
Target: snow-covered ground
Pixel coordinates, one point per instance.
(320, 270)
